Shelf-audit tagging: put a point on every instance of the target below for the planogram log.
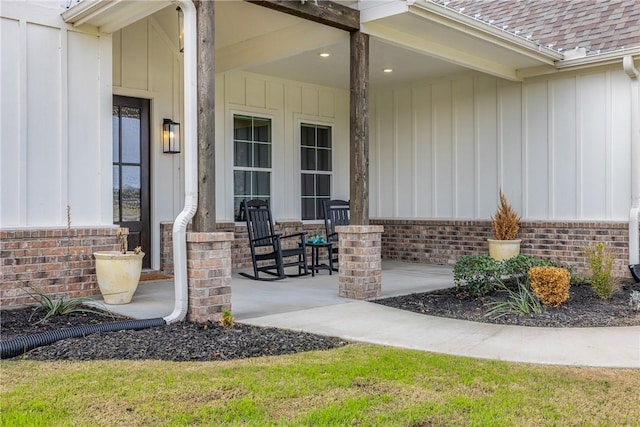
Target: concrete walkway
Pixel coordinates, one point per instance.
(312, 305)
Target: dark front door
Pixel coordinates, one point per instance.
(131, 207)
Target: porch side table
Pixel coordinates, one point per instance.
(315, 257)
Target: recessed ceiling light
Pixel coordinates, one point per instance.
(325, 54)
(388, 70)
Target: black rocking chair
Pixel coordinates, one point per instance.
(262, 235)
(336, 213)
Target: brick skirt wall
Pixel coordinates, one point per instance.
(57, 262)
(60, 261)
(444, 241)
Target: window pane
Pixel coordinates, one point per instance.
(131, 193)
(308, 159)
(323, 183)
(130, 122)
(307, 186)
(324, 137)
(242, 128)
(262, 184)
(236, 208)
(319, 209)
(308, 209)
(242, 154)
(116, 194)
(241, 183)
(324, 160)
(115, 126)
(308, 136)
(261, 130)
(261, 155)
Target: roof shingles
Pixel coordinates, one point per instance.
(597, 25)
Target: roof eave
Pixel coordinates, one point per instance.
(483, 30)
(111, 15)
(590, 61)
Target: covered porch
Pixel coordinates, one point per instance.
(251, 298)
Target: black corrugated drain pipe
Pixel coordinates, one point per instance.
(635, 272)
(16, 346)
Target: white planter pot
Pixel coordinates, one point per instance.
(118, 275)
(503, 249)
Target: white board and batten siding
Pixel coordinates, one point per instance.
(53, 149)
(147, 64)
(558, 146)
(288, 104)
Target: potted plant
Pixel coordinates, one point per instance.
(505, 224)
(118, 272)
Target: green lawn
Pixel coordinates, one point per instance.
(354, 385)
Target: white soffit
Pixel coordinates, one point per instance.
(444, 34)
(111, 15)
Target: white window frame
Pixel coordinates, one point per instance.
(252, 115)
(316, 124)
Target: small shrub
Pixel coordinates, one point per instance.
(506, 221)
(550, 284)
(478, 273)
(600, 261)
(482, 274)
(226, 320)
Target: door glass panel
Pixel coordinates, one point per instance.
(116, 194)
(115, 126)
(130, 123)
(131, 193)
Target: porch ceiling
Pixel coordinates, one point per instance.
(416, 40)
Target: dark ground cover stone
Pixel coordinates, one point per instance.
(180, 341)
(583, 308)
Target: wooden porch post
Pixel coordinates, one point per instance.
(205, 218)
(359, 129)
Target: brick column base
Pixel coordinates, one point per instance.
(360, 272)
(209, 275)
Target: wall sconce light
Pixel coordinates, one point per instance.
(170, 136)
(180, 29)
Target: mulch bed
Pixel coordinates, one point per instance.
(186, 341)
(583, 308)
(181, 341)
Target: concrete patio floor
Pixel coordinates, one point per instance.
(311, 304)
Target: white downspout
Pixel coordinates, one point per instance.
(190, 164)
(634, 213)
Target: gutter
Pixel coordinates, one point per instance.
(634, 212)
(190, 164)
(459, 21)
